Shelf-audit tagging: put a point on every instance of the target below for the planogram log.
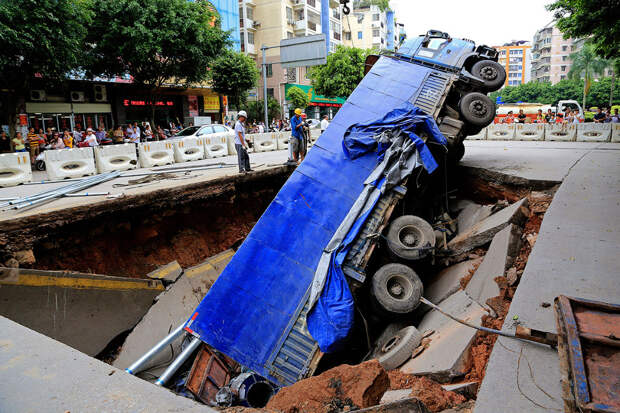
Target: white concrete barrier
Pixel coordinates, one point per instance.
(217, 146)
(15, 169)
(120, 157)
(530, 132)
(594, 132)
(189, 149)
(264, 142)
(560, 132)
(501, 132)
(615, 132)
(283, 138)
(69, 163)
(156, 153)
(480, 136)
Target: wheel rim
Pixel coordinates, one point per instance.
(399, 287)
(410, 236)
(488, 73)
(390, 344)
(478, 108)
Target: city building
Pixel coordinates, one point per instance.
(367, 27)
(267, 22)
(516, 58)
(551, 54)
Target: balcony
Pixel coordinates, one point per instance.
(247, 24)
(303, 27)
(315, 4)
(248, 2)
(334, 4)
(250, 49)
(337, 36)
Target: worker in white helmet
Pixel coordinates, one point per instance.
(241, 146)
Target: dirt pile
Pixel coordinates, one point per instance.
(433, 395)
(341, 388)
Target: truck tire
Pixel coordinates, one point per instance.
(410, 238)
(491, 73)
(394, 348)
(396, 288)
(477, 109)
(457, 151)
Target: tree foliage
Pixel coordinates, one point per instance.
(579, 18)
(298, 97)
(255, 109)
(155, 41)
(568, 89)
(233, 74)
(342, 72)
(382, 4)
(586, 64)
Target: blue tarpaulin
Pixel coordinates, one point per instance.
(331, 318)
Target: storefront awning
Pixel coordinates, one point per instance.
(56, 107)
(316, 100)
(92, 108)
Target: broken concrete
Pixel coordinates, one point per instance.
(446, 356)
(471, 215)
(39, 374)
(408, 405)
(484, 231)
(392, 396)
(500, 256)
(468, 389)
(446, 283)
(84, 311)
(172, 308)
(168, 273)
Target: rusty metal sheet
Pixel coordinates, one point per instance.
(209, 373)
(589, 349)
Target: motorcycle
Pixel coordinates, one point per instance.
(39, 162)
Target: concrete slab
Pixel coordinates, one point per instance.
(471, 215)
(84, 311)
(392, 396)
(409, 405)
(576, 254)
(446, 355)
(447, 282)
(467, 389)
(172, 308)
(169, 272)
(39, 374)
(498, 259)
(484, 231)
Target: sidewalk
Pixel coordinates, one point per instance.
(576, 254)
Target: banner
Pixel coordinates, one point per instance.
(211, 103)
(193, 105)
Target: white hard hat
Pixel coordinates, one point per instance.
(242, 113)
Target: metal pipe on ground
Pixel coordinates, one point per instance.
(69, 195)
(172, 368)
(135, 367)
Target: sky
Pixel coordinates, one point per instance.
(490, 22)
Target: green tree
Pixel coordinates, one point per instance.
(579, 19)
(342, 72)
(157, 42)
(298, 97)
(39, 39)
(233, 74)
(382, 4)
(255, 109)
(586, 64)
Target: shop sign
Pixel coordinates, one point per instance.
(131, 102)
(23, 119)
(193, 105)
(211, 103)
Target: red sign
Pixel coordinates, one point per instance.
(334, 105)
(23, 119)
(193, 105)
(130, 102)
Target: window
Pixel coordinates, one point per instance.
(289, 35)
(347, 35)
(219, 129)
(289, 15)
(375, 17)
(269, 70)
(564, 48)
(332, 48)
(503, 52)
(564, 58)
(359, 35)
(375, 32)
(250, 38)
(270, 92)
(205, 130)
(563, 68)
(308, 68)
(249, 12)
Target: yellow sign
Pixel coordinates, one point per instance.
(212, 103)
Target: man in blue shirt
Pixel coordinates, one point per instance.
(296, 141)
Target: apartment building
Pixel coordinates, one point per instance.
(266, 22)
(516, 58)
(551, 54)
(368, 27)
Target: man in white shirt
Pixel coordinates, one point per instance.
(91, 139)
(324, 124)
(240, 143)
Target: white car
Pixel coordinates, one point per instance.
(205, 131)
(314, 123)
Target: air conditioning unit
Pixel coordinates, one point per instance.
(77, 96)
(100, 93)
(255, 24)
(37, 95)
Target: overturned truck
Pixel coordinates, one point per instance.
(290, 293)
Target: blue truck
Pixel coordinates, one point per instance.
(288, 295)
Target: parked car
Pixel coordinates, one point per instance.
(206, 130)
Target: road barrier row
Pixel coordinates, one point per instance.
(15, 169)
(69, 163)
(569, 132)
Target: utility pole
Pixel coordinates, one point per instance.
(264, 49)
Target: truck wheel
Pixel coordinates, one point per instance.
(457, 151)
(491, 73)
(477, 109)
(397, 288)
(410, 238)
(394, 348)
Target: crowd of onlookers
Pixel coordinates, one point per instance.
(602, 115)
(35, 141)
